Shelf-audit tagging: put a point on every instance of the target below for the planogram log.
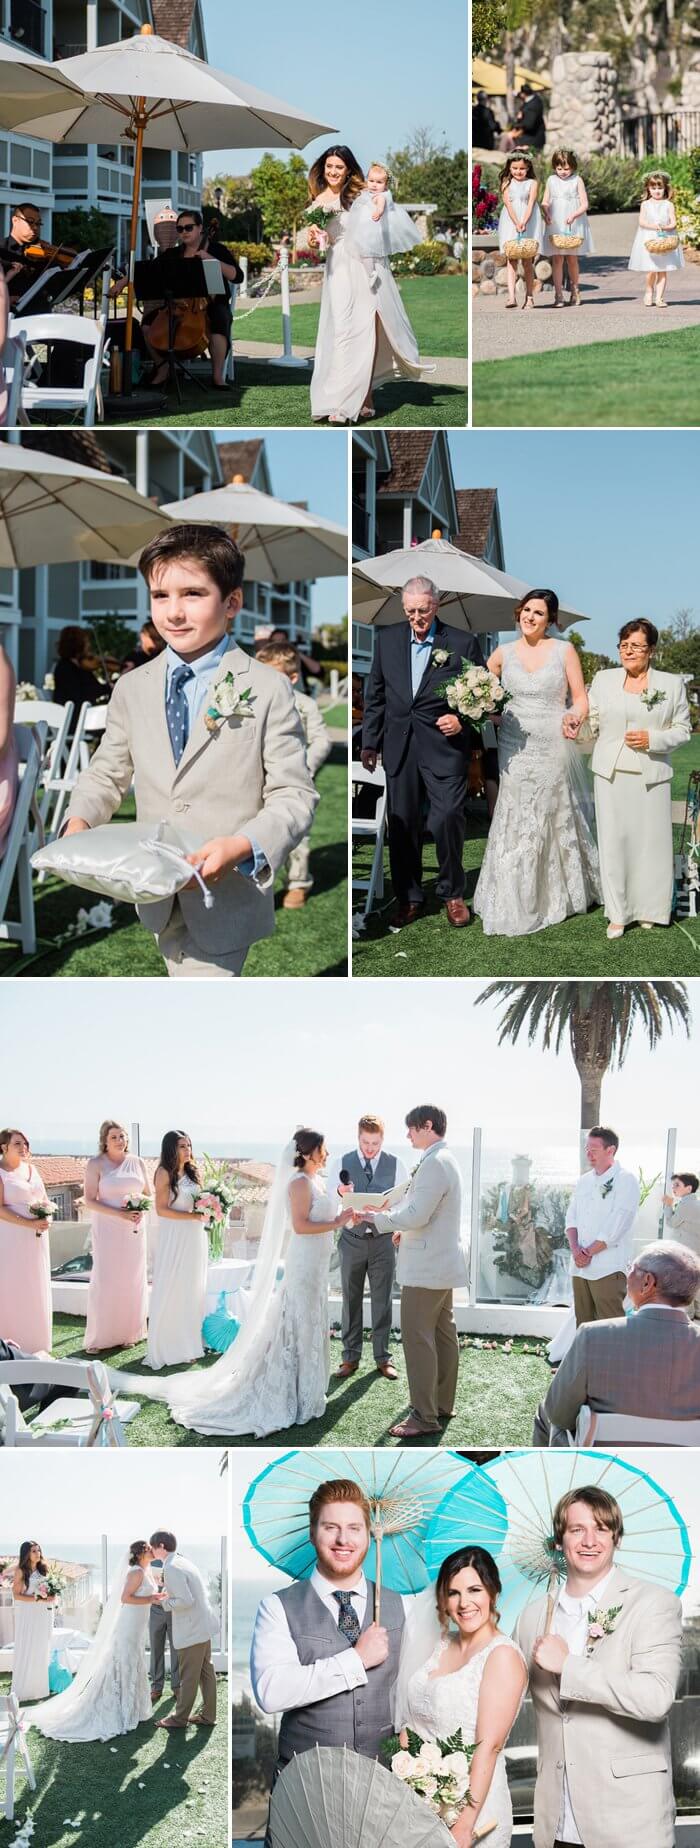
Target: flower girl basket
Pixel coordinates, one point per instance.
(662, 242)
(566, 240)
(521, 246)
(333, 1798)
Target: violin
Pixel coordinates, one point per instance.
(184, 323)
(40, 252)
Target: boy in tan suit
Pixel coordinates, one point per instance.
(602, 1683)
(285, 659)
(214, 745)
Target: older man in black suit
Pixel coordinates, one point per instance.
(424, 747)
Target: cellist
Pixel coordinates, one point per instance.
(194, 241)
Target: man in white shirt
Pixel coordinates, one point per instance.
(318, 1657)
(365, 1253)
(602, 1683)
(602, 1211)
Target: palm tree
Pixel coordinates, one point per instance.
(599, 1018)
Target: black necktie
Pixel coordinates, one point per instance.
(369, 1176)
(348, 1621)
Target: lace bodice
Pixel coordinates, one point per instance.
(307, 1252)
(440, 1705)
(537, 700)
(185, 1196)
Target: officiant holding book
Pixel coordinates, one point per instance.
(365, 1253)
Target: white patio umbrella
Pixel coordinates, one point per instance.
(473, 595)
(30, 86)
(147, 91)
(280, 542)
(53, 511)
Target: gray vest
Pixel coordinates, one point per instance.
(359, 1717)
(384, 1178)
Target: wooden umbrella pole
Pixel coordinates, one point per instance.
(133, 235)
(551, 1599)
(378, 1594)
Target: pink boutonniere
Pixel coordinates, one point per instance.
(602, 1624)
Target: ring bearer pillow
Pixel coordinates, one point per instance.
(135, 861)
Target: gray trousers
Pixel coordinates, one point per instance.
(362, 1256)
(161, 1627)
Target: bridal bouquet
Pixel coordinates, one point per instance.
(323, 220)
(43, 1209)
(438, 1771)
(215, 1200)
(54, 1585)
(476, 694)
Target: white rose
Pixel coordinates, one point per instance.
(403, 1765)
(456, 1764)
(430, 1757)
(226, 698)
(429, 1786)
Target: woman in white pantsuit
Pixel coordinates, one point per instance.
(638, 716)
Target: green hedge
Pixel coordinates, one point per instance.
(424, 260)
(613, 182)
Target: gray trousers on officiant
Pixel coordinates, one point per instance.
(161, 1630)
(364, 1253)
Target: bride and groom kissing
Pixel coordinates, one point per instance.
(601, 1675)
(111, 1692)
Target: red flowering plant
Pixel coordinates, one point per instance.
(484, 204)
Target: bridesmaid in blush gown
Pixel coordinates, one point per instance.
(117, 1293)
(33, 1615)
(25, 1259)
(364, 334)
(180, 1269)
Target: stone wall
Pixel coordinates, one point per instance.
(690, 93)
(583, 109)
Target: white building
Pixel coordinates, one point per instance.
(69, 175)
(166, 465)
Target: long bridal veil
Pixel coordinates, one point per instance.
(421, 1635)
(187, 1392)
(65, 1707)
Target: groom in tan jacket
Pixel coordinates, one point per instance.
(214, 744)
(602, 1683)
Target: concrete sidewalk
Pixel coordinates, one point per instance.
(446, 371)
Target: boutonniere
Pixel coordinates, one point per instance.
(607, 1188)
(650, 699)
(602, 1624)
(228, 702)
(415, 1170)
(440, 657)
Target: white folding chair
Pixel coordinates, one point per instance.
(90, 722)
(57, 721)
(13, 1741)
(13, 356)
(370, 828)
(20, 843)
(51, 329)
(96, 1421)
(593, 1428)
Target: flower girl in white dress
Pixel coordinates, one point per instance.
(520, 221)
(565, 212)
(180, 1267)
(458, 1674)
(657, 218)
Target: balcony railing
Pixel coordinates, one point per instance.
(674, 131)
(360, 525)
(28, 25)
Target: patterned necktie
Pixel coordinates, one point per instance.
(369, 1173)
(348, 1621)
(177, 711)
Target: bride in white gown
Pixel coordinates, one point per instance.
(111, 1693)
(541, 859)
(457, 1673)
(364, 334)
(275, 1373)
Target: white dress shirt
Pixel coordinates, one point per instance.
(571, 1619)
(599, 1210)
(280, 1680)
(334, 1167)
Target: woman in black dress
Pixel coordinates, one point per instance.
(194, 241)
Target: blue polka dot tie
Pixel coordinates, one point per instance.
(177, 710)
(348, 1621)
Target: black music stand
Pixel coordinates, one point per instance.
(172, 279)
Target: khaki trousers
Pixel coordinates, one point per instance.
(184, 957)
(195, 1672)
(600, 1299)
(431, 1352)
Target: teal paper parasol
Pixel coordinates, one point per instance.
(655, 1546)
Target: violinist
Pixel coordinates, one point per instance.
(195, 241)
(25, 230)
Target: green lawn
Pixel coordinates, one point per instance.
(308, 942)
(336, 717)
(651, 381)
(264, 397)
(436, 307)
(684, 760)
(497, 1397)
(577, 947)
(120, 1794)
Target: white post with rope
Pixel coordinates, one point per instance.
(287, 357)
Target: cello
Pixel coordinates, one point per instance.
(182, 326)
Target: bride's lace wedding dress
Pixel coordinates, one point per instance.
(437, 1705)
(541, 859)
(117, 1696)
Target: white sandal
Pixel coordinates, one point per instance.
(614, 931)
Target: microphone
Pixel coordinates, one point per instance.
(344, 1177)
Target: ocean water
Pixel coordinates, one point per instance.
(554, 1155)
(89, 1553)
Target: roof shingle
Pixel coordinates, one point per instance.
(475, 507)
(239, 458)
(173, 19)
(409, 454)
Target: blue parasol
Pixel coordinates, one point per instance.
(655, 1545)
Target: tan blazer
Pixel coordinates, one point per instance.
(646, 1365)
(668, 724)
(606, 1721)
(247, 777)
(429, 1218)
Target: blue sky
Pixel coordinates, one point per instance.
(310, 465)
(374, 71)
(607, 518)
(271, 1055)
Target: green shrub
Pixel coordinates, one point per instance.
(694, 168)
(612, 182)
(257, 254)
(688, 215)
(424, 260)
(677, 165)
